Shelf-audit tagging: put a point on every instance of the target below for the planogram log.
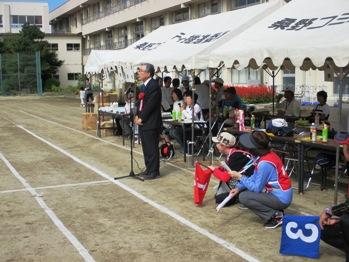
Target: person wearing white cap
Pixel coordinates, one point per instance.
(235, 158)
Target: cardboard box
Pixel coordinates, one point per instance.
(106, 132)
(108, 98)
(89, 121)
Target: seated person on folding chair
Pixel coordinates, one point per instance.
(334, 222)
(322, 109)
(236, 159)
(123, 121)
(230, 102)
(289, 106)
(168, 129)
(268, 191)
(187, 113)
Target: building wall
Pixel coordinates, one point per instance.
(8, 9)
(72, 58)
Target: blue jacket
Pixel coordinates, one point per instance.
(265, 173)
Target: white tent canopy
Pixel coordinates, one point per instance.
(96, 60)
(303, 29)
(180, 44)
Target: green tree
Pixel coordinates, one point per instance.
(27, 42)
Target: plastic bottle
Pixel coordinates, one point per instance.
(253, 122)
(317, 119)
(313, 132)
(325, 133)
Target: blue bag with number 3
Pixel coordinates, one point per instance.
(300, 236)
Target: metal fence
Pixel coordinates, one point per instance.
(20, 73)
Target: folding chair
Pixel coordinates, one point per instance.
(226, 122)
(206, 138)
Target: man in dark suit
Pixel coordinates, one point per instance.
(149, 120)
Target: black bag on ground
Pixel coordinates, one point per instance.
(223, 191)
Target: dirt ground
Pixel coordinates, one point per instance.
(59, 201)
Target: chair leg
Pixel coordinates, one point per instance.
(323, 177)
(310, 178)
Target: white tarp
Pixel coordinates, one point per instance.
(180, 44)
(314, 29)
(96, 60)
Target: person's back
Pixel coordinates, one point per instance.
(88, 95)
(82, 96)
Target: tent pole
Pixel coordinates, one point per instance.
(220, 66)
(341, 76)
(210, 121)
(273, 75)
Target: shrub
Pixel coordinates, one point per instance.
(49, 83)
(56, 89)
(71, 90)
(254, 94)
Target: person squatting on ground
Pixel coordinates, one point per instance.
(268, 191)
(235, 158)
(148, 119)
(334, 223)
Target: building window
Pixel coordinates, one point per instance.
(181, 15)
(122, 38)
(215, 6)
(96, 41)
(204, 9)
(156, 22)
(208, 8)
(0, 20)
(109, 40)
(289, 79)
(53, 47)
(139, 31)
(108, 4)
(244, 3)
(73, 47)
(73, 76)
(19, 20)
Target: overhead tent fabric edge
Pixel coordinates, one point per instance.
(323, 38)
(195, 61)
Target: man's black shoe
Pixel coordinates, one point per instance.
(144, 173)
(150, 176)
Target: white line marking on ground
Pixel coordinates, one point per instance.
(73, 240)
(57, 186)
(161, 208)
(97, 138)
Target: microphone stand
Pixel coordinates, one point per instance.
(132, 114)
